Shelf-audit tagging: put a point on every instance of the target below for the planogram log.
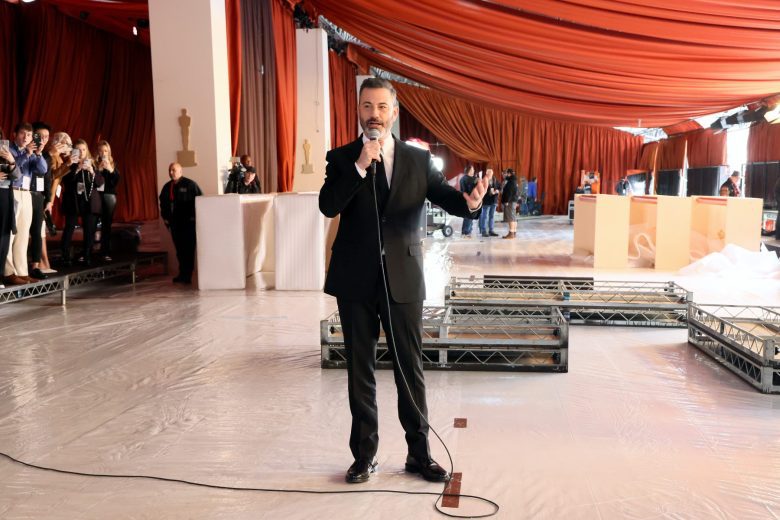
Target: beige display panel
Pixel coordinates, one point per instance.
(717, 221)
(660, 231)
(601, 229)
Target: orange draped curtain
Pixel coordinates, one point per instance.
(706, 148)
(671, 153)
(412, 128)
(764, 143)
(343, 100)
(286, 91)
(607, 62)
(552, 151)
(648, 156)
(234, 39)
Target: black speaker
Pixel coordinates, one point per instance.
(668, 182)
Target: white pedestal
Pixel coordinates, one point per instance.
(235, 239)
(300, 242)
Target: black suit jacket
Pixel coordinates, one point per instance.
(354, 264)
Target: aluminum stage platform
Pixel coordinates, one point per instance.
(582, 301)
(473, 338)
(746, 340)
(79, 277)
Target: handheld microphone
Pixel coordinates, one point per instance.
(373, 134)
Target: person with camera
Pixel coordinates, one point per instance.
(243, 177)
(110, 173)
(39, 196)
(81, 198)
(510, 194)
(177, 208)
(9, 171)
(27, 155)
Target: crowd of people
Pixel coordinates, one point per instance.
(36, 168)
(516, 197)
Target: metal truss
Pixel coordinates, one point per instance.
(582, 301)
(61, 284)
(744, 339)
(473, 338)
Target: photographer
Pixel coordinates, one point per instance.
(80, 197)
(9, 171)
(39, 196)
(110, 174)
(27, 155)
(243, 177)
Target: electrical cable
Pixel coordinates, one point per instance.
(391, 343)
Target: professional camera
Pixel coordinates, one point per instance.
(239, 168)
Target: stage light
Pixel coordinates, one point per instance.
(773, 116)
(28, 1)
(135, 31)
(438, 163)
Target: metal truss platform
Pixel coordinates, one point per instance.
(582, 301)
(473, 338)
(744, 339)
(61, 284)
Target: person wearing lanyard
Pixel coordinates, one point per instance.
(177, 208)
(27, 154)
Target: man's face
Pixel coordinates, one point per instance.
(489, 173)
(376, 110)
(174, 172)
(23, 138)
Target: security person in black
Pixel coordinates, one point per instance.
(177, 208)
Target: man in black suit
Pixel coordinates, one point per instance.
(404, 177)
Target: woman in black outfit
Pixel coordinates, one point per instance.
(81, 198)
(110, 174)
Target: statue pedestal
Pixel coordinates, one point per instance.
(307, 168)
(186, 158)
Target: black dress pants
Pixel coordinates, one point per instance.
(88, 226)
(360, 322)
(183, 234)
(107, 219)
(6, 221)
(36, 241)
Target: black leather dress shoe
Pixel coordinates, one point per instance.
(360, 471)
(429, 470)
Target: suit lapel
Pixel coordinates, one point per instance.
(400, 168)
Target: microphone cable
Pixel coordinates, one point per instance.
(391, 344)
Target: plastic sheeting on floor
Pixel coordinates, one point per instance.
(225, 387)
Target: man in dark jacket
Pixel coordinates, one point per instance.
(509, 196)
(376, 270)
(731, 186)
(177, 208)
(243, 178)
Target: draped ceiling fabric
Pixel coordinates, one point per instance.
(607, 62)
(552, 151)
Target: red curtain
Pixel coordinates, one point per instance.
(234, 43)
(706, 148)
(648, 156)
(608, 62)
(552, 151)
(93, 85)
(286, 91)
(764, 143)
(343, 100)
(9, 93)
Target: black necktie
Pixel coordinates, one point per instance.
(382, 188)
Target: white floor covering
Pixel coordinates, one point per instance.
(225, 387)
